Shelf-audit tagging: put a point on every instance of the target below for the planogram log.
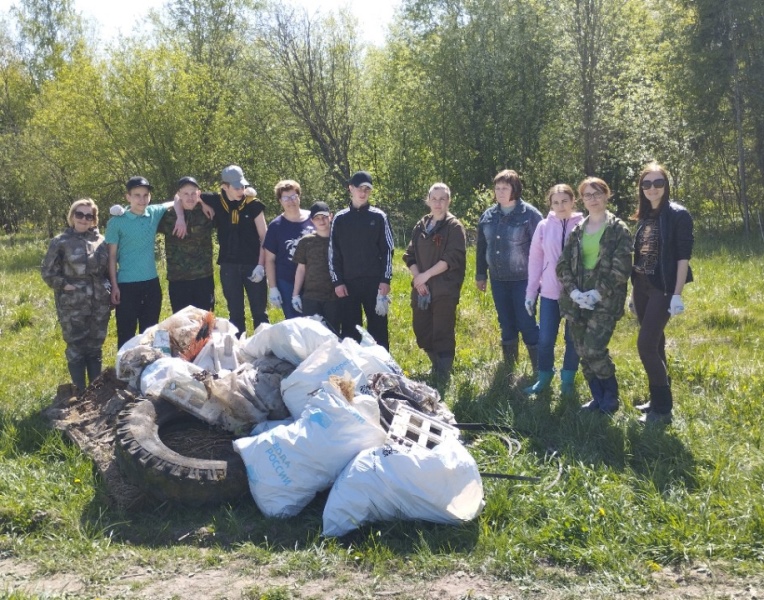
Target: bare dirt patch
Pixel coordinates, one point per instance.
(240, 579)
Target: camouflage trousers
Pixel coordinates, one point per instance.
(591, 336)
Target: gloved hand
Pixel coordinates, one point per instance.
(593, 297)
(423, 302)
(117, 210)
(258, 273)
(677, 306)
(383, 303)
(297, 303)
(530, 307)
(579, 298)
(275, 297)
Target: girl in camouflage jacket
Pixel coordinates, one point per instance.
(594, 270)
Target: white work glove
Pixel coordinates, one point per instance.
(677, 306)
(258, 273)
(117, 210)
(592, 297)
(530, 307)
(275, 297)
(297, 303)
(383, 303)
(578, 297)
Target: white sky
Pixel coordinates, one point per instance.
(120, 16)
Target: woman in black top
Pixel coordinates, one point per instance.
(662, 250)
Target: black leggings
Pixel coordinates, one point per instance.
(651, 305)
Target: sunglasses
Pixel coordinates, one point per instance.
(82, 215)
(658, 184)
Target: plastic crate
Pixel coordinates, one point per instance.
(411, 427)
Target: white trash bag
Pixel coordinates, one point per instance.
(289, 464)
(441, 485)
(292, 340)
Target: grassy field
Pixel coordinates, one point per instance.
(616, 505)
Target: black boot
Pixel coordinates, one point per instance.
(510, 354)
(533, 356)
(609, 403)
(433, 356)
(595, 387)
(445, 362)
(93, 365)
(77, 372)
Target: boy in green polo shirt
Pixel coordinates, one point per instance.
(135, 289)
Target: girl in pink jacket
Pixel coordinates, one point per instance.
(548, 240)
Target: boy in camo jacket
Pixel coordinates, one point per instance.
(189, 259)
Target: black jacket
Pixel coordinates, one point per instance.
(676, 241)
(360, 245)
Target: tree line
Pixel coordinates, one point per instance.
(555, 89)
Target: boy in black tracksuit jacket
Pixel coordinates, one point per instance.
(361, 262)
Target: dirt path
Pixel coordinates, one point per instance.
(241, 579)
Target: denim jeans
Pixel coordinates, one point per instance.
(509, 299)
(286, 289)
(233, 279)
(549, 325)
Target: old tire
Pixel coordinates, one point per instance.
(145, 459)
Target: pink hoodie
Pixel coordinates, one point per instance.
(546, 247)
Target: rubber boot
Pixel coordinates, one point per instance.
(433, 356)
(568, 379)
(445, 362)
(533, 356)
(595, 387)
(609, 403)
(93, 365)
(77, 370)
(510, 354)
(544, 379)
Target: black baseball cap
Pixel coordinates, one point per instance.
(187, 181)
(138, 181)
(361, 178)
(320, 208)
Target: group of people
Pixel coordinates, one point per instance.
(340, 267)
(580, 266)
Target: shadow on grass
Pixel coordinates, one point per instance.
(549, 423)
(230, 526)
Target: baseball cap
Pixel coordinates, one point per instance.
(187, 181)
(361, 178)
(320, 208)
(233, 175)
(138, 181)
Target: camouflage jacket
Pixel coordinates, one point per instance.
(188, 258)
(609, 275)
(80, 260)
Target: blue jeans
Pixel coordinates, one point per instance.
(286, 289)
(549, 325)
(509, 299)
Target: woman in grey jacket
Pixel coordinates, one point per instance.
(662, 250)
(505, 232)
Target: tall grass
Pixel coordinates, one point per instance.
(616, 501)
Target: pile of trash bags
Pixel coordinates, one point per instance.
(311, 412)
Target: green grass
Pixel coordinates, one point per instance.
(616, 502)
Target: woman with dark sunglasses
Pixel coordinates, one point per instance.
(662, 250)
(76, 266)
